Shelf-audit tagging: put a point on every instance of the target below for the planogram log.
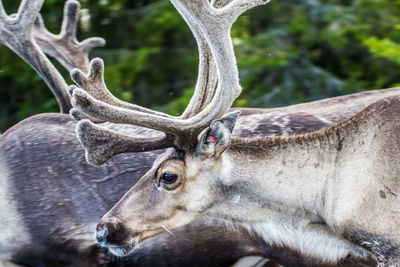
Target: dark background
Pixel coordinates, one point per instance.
(288, 51)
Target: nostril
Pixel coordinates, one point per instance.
(99, 238)
(112, 234)
(101, 234)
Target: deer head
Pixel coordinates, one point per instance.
(167, 196)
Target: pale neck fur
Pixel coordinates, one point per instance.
(288, 176)
(285, 189)
(285, 178)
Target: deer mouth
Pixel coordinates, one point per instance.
(124, 250)
(121, 251)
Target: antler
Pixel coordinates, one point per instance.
(211, 27)
(25, 34)
(16, 34)
(93, 83)
(64, 46)
(102, 144)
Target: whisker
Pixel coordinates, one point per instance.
(166, 229)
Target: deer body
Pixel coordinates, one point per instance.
(345, 177)
(33, 158)
(342, 177)
(50, 205)
(318, 193)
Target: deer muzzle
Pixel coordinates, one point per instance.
(116, 238)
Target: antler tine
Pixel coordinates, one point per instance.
(234, 9)
(64, 47)
(224, 10)
(207, 72)
(215, 24)
(3, 13)
(206, 81)
(70, 20)
(93, 83)
(101, 144)
(16, 34)
(28, 11)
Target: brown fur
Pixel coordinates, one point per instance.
(382, 110)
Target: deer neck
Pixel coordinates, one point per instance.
(287, 176)
(300, 191)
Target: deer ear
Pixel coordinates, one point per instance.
(217, 138)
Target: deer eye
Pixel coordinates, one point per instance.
(169, 178)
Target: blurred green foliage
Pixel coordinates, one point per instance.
(288, 52)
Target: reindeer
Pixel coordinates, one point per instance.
(48, 211)
(325, 194)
